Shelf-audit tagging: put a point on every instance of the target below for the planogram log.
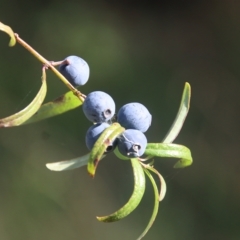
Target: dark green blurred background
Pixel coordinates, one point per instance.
(140, 51)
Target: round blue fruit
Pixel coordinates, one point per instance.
(134, 116)
(75, 70)
(93, 134)
(98, 107)
(132, 143)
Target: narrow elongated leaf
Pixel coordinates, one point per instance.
(181, 115)
(155, 208)
(68, 164)
(170, 150)
(62, 104)
(136, 197)
(10, 32)
(163, 186)
(20, 117)
(100, 146)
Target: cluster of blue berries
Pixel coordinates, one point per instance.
(99, 108)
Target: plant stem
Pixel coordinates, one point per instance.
(49, 65)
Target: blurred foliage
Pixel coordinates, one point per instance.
(136, 51)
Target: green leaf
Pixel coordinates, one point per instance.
(155, 208)
(10, 32)
(20, 117)
(100, 146)
(163, 186)
(170, 150)
(62, 104)
(69, 164)
(136, 197)
(181, 115)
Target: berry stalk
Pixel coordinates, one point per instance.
(50, 66)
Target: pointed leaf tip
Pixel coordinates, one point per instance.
(100, 146)
(182, 163)
(181, 115)
(10, 32)
(69, 164)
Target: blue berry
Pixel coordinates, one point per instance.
(132, 143)
(134, 116)
(75, 70)
(93, 134)
(99, 107)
